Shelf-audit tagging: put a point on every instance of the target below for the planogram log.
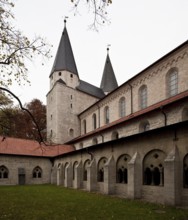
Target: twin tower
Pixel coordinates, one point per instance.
(69, 95)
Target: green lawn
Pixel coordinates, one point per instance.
(55, 203)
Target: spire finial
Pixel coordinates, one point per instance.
(65, 20)
(108, 48)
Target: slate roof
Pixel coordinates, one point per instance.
(108, 82)
(64, 59)
(23, 147)
(90, 89)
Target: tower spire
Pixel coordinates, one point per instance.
(108, 82)
(64, 59)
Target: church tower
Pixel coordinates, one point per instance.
(108, 82)
(68, 95)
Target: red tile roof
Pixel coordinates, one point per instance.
(16, 146)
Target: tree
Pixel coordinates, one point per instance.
(98, 8)
(15, 122)
(16, 48)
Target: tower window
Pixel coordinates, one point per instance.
(71, 75)
(59, 73)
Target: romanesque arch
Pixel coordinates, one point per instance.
(86, 164)
(153, 168)
(122, 169)
(75, 164)
(100, 169)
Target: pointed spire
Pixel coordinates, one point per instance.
(64, 59)
(108, 82)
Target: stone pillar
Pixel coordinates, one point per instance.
(60, 178)
(68, 175)
(172, 178)
(54, 175)
(109, 176)
(78, 176)
(92, 176)
(134, 177)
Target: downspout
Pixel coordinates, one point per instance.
(165, 116)
(131, 97)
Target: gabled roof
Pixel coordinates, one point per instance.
(23, 147)
(108, 82)
(64, 59)
(90, 89)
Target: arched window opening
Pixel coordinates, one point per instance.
(3, 172)
(86, 164)
(106, 115)
(37, 172)
(154, 168)
(74, 169)
(115, 135)
(122, 169)
(100, 169)
(94, 118)
(65, 169)
(143, 97)
(185, 171)
(84, 126)
(80, 145)
(122, 107)
(71, 132)
(94, 141)
(144, 126)
(172, 82)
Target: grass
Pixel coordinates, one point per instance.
(45, 202)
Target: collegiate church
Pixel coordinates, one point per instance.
(129, 140)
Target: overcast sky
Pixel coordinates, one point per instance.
(141, 31)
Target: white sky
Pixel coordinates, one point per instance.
(141, 31)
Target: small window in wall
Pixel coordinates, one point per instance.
(59, 73)
(144, 126)
(81, 145)
(94, 141)
(3, 172)
(71, 75)
(172, 82)
(143, 97)
(122, 107)
(37, 172)
(71, 132)
(106, 115)
(84, 126)
(51, 117)
(94, 119)
(115, 135)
